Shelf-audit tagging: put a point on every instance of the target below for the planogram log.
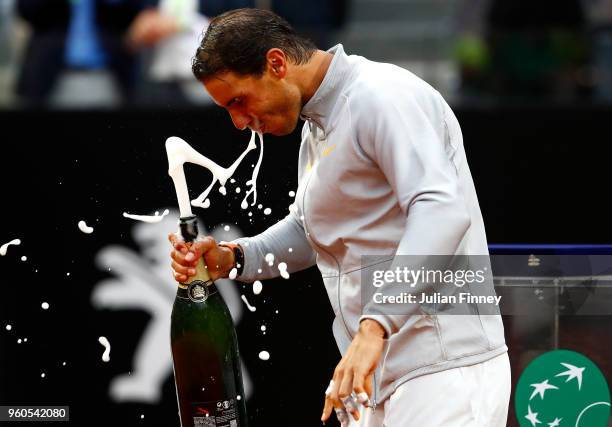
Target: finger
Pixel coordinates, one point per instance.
(328, 404)
(346, 384)
(180, 258)
(359, 389)
(335, 385)
(199, 247)
(179, 277)
(345, 394)
(177, 242)
(350, 406)
(342, 417)
(369, 384)
(327, 408)
(186, 271)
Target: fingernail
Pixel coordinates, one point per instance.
(189, 256)
(192, 271)
(363, 398)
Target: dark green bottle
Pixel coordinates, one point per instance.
(207, 369)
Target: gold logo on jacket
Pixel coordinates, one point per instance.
(328, 150)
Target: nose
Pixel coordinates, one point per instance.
(240, 120)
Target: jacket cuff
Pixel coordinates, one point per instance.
(384, 321)
(249, 264)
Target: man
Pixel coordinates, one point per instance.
(382, 171)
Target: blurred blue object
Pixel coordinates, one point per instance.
(83, 47)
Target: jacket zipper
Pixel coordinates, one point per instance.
(313, 240)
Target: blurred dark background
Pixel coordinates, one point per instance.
(89, 91)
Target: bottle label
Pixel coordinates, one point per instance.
(216, 413)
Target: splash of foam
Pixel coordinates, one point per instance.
(85, 228)
(253, 181)
(4, 247)
(107, 348)
(250, 307)
(180, 152)
(282, 267)
(269, 259)
(147, 218)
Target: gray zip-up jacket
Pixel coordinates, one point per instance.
(382, 171)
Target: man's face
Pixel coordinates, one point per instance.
(265, 103)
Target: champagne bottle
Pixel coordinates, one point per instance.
(207, 369)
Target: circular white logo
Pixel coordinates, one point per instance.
(197, 291)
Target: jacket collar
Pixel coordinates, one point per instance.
(319, 108)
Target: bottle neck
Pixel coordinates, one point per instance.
(189, 231)
(188, 227)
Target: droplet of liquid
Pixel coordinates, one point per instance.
(250, 307)
(269, 259)
(5, 246)
(257, 287)
(263, 327)
(233, 273)
(264, 355)
(237, 189)
(85, 228)
(43, 375)
(107, 348)
(45, 305)
(9, 327)
(292, 193)
(226, 228)
(267, 211)
(282, 267)
(24, 258)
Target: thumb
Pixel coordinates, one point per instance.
(200, 247)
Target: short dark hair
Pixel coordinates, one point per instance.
(238, 40)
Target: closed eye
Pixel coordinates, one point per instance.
(233, 101)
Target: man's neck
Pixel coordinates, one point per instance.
(311, 75)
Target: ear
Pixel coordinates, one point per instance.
(276, 63)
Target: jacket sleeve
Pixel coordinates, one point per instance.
(287, 234)
(404, 136)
